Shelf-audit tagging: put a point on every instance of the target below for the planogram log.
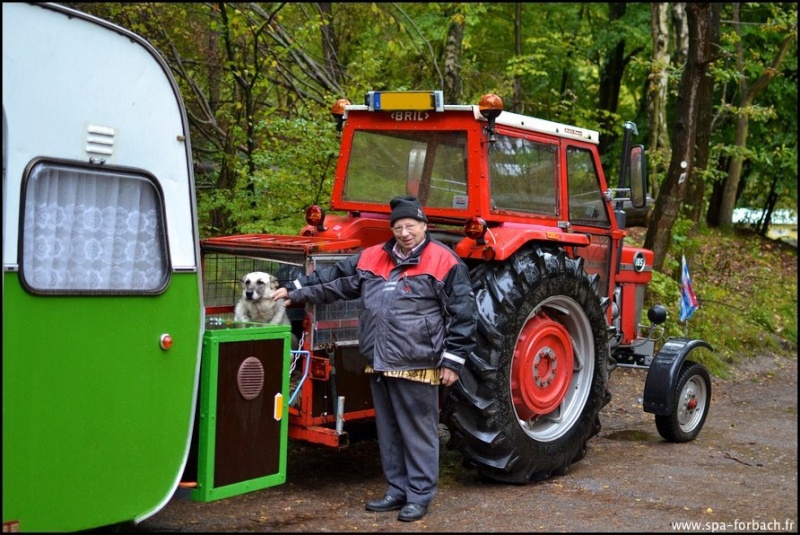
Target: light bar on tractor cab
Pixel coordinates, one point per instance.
(405, 100)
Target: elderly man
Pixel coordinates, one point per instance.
(416, 331)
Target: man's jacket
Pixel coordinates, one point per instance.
(418, 313)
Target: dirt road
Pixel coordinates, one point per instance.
(740, 474)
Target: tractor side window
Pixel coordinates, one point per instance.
(92, 230)
(586, 204)
(523, 176)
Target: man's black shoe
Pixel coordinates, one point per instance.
(412, 512)
(387, 503)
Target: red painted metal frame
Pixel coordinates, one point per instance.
(261, 242)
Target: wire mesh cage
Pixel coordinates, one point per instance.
(335, 323)
(332, 324)
(222, 279)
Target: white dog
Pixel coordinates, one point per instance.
(256, 304)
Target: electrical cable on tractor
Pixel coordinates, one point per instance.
(525, 203)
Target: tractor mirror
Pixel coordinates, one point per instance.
(638, 176)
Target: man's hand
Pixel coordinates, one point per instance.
(447, 376)
(281, 293)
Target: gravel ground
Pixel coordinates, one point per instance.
(740, 474)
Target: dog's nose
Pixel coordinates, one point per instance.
(248, 294)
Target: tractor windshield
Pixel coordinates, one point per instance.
(431, 165)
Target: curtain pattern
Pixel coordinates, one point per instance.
(92, 231)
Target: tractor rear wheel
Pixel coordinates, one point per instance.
(529, 397)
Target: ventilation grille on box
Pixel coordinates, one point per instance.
(250, 378)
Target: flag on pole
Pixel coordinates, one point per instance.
(688, 300)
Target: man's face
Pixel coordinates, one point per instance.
(409, 233)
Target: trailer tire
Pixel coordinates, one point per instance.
(689, 405)
(529, 396)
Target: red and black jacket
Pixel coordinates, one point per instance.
(416, 313)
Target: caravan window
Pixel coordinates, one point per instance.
(90, 229)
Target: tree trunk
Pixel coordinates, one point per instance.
(749, 94)
(330, 43)
(610, 81)
(657, 86)
(516, 106)
(680, 32)
(731, 186)
(679, 43)
(452, 60)
(769, 206)
(659, 233)
(705, 113)
(657, 108)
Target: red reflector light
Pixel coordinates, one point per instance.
(320, 368)
(315, 215)
(166, 341)
(475, 228)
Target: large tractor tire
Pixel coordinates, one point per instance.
(529, 397)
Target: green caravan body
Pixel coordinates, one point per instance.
(102, 298)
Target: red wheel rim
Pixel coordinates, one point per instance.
(542, 368)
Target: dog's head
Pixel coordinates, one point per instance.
(259, 285)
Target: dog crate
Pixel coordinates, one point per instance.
(242, 419)
(222, 280)
(329, 391)
(336, 323)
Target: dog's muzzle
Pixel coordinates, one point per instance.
(249, 294)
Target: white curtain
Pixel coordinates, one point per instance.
(92, 231)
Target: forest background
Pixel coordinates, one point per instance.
(712, 86)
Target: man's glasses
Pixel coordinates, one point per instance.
(400, 228)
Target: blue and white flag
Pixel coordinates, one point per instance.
(688, 300)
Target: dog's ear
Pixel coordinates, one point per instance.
(273, 282)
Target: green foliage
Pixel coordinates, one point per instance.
(239, 64)
(258, 89)
(684, 241)
(747, 290)
(293, 170)
(744, 63)
(301, 173)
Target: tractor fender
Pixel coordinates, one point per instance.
(663, 374)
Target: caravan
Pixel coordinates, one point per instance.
(102, 293)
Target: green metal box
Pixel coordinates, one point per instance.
(242, 425)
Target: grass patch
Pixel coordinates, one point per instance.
(747, 289)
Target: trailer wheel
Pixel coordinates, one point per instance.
(689, 406)
(529, 396)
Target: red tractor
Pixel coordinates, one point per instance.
(526, 204)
